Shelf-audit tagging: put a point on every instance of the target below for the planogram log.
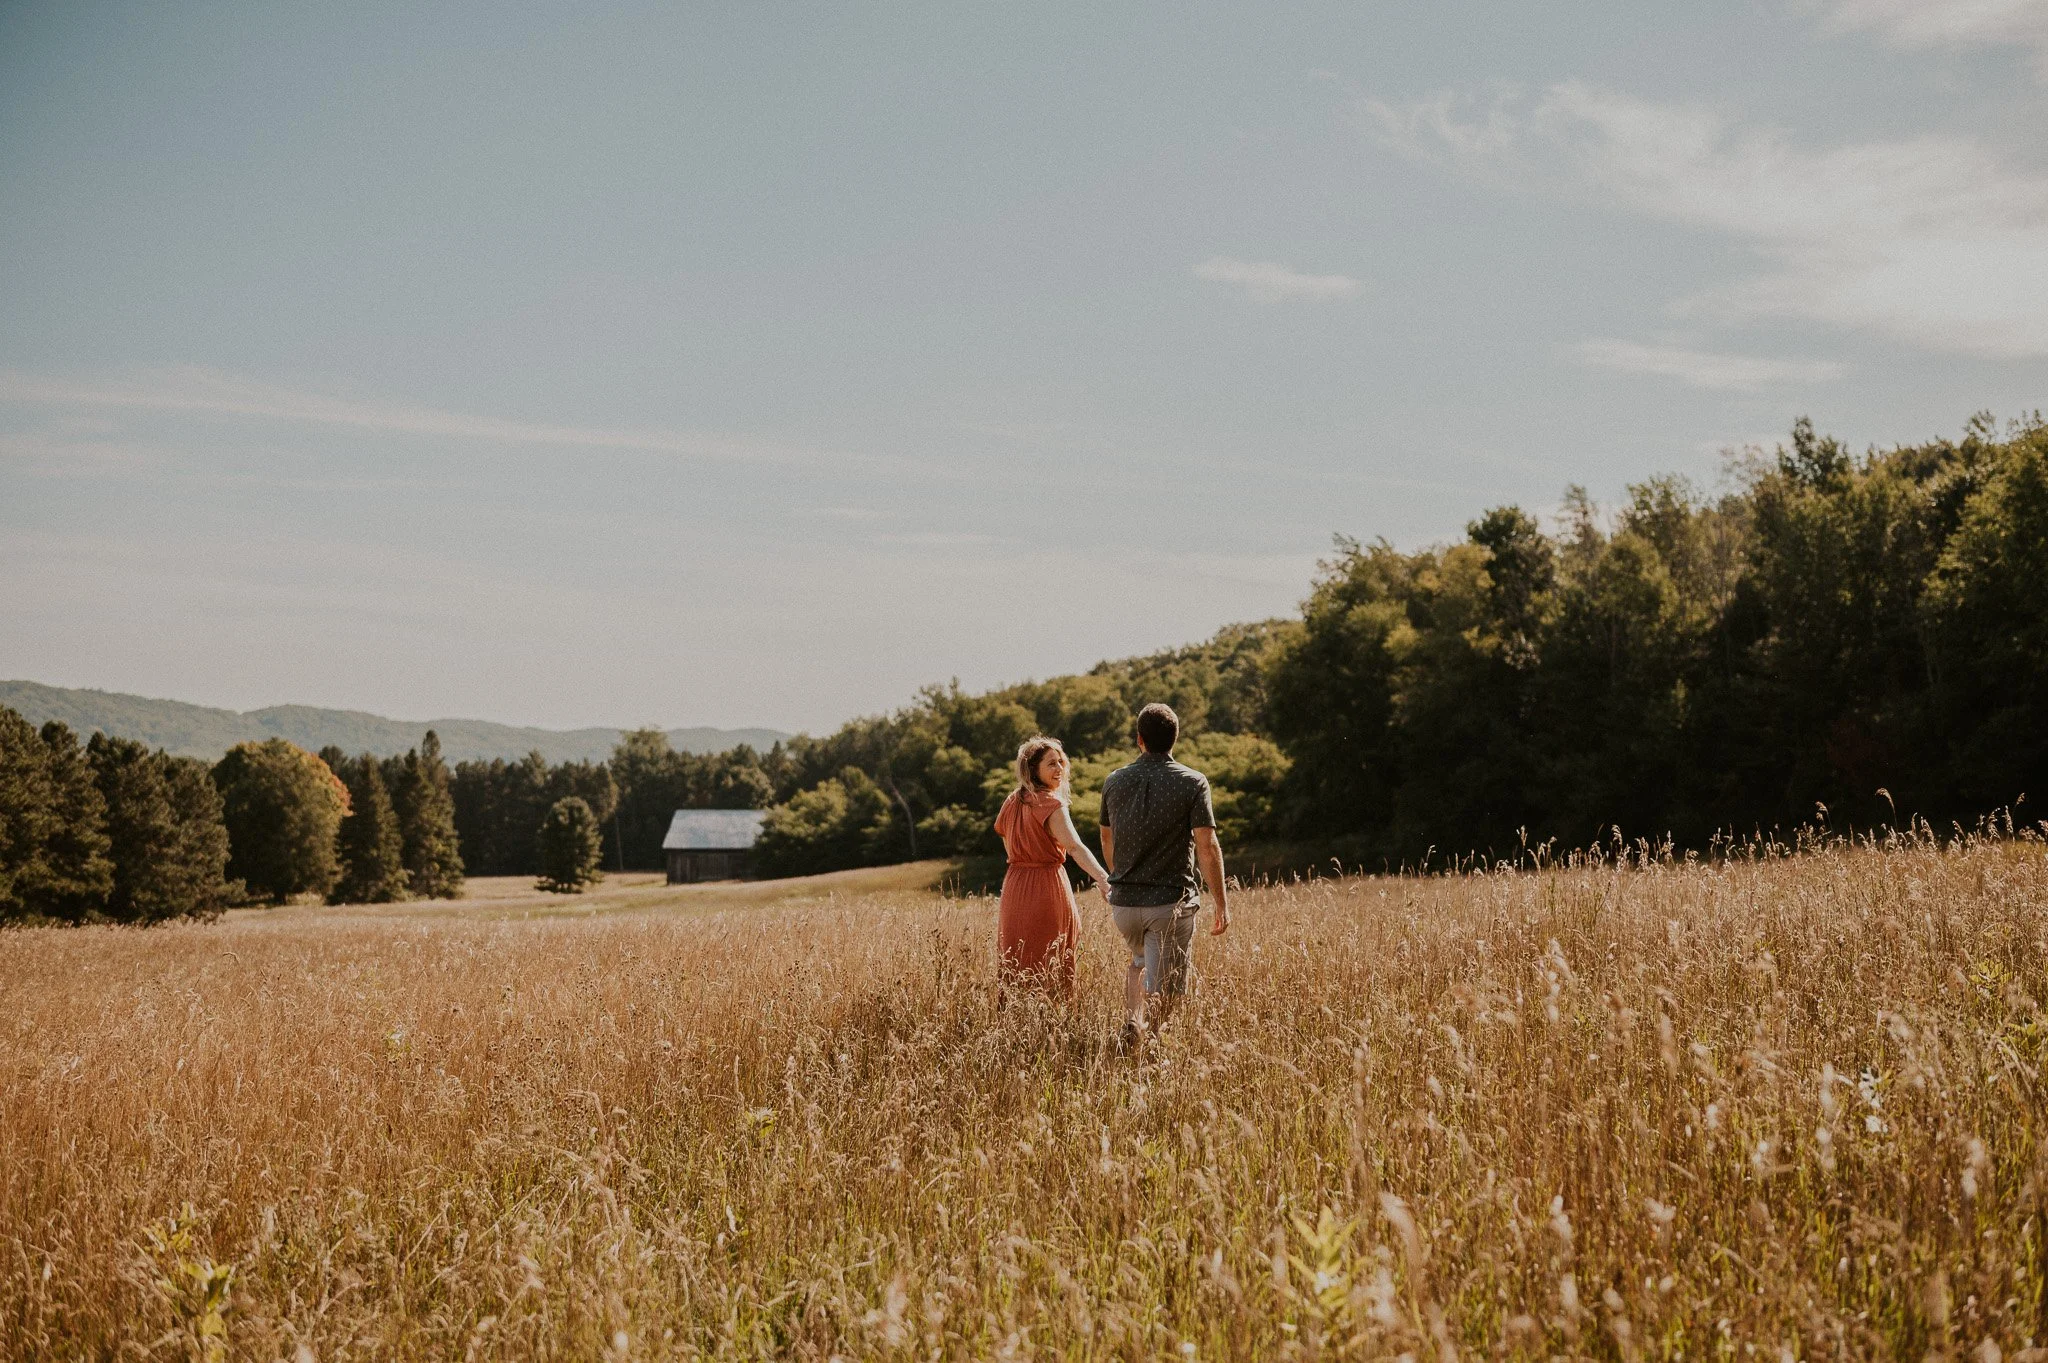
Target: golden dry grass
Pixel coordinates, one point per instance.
(520, 897)
(1782, 1108)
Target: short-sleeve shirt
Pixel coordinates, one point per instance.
(1154, 806)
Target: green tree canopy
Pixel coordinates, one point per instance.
(53, 841)
(423, 799)
(369, 845)
(283, 807)
(653, 781)
(499, 807)
(1856, 635)
(1986, 612)
(167, 841)
(845, 821)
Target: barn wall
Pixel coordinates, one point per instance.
(688, 868)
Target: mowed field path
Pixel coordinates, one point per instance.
(1783, 1107)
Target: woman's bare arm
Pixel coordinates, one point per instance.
(1061, 825)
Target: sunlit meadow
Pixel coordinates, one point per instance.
(1789, 1106)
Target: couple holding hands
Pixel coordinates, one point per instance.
(1158, 827)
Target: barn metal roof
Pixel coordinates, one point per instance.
(713, 830)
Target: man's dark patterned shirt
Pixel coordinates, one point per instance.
(1153, 808)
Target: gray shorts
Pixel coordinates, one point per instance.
(1161, 938)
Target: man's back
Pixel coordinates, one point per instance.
(1153, 807)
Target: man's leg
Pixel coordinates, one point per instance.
(1130, 922)
(1174, 939)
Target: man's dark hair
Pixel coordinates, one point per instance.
(1159, 727)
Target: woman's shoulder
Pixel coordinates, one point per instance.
(1038, 799)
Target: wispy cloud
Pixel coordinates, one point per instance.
(208, 392)
(65, 450)
(1933, 240)
(937, 539)
(1947, 23)
(1270, 282)
(841, 513)
(1703, 368)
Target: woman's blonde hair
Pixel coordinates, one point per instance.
(1029, 754)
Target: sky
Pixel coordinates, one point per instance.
(760, 364)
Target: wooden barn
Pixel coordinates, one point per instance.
(711, 844)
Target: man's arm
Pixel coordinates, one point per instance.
(1108, 850)
(1209, 852)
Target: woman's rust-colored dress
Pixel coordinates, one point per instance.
(1037, 925)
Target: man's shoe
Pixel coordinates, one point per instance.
(1127, 1039)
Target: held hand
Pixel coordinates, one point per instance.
(1222, 923)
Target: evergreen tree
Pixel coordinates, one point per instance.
(282, 806)
(79, 873)
(499, 807)
(570, 848)
(196, 870)
(26, 817)
(142, 828)
(653, 781)
(479, 825)
(371, 848)
(169, 847)
(23, 810)
(425, 805)
(53, 842)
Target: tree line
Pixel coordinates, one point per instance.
(106, 830)
(361, 830)
(1854, 640)
(500, 806)
(111, 831)
(926, 780)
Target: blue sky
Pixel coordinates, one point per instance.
(757, 364)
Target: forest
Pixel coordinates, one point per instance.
(1833, 639)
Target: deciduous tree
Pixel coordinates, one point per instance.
(282, 806)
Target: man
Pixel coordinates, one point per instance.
(1157, 824)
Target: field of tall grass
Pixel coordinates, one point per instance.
(1779, 1107)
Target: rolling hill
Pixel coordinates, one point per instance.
(202, 731)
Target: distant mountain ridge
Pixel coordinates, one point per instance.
(202, 731)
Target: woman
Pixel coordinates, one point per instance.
(1039, 922)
